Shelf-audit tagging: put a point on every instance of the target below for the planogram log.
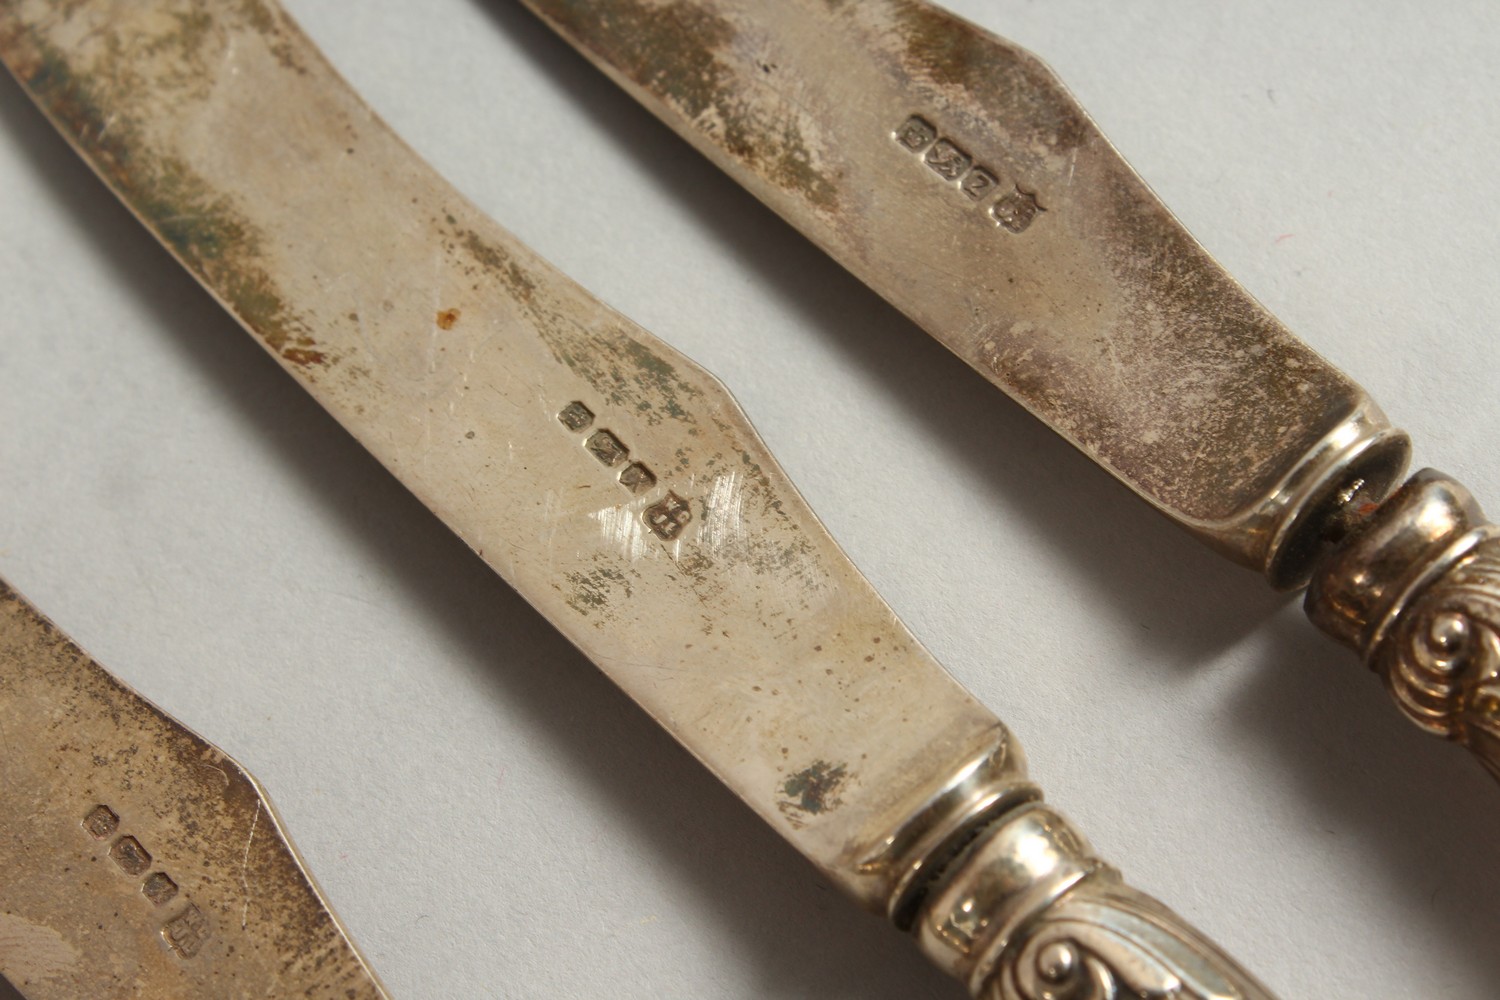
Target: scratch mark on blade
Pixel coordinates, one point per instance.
(621, 526)
(222, 773)
(245, 868)
(724, 512)
(435, 327)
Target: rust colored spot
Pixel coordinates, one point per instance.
(303, 356)
(446, 318)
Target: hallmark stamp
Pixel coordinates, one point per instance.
(1014, 211)
(668, 517)
(159, 888)
(575, 416)
(979, 183)
(916, 134)
(947, 160)
(101, 822)
(187, 932)
(636, 478)
(606, 448)
(130, 856)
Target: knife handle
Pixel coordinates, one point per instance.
(1415, 590)
(1027, 912)
(1004, 894)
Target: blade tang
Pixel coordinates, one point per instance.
(955, 175)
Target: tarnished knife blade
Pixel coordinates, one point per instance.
(952, 172)
(615, 484)
(138, 860)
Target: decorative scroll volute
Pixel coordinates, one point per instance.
(1441, 660)
(1417, 592)
(1106, 942)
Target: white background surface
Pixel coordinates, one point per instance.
(491, 817)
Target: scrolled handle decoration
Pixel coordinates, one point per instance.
(1417, 592)
(1441, 660)
(1104, 941)
(1027, 912)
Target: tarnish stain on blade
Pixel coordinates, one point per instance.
(813, 790)
(674, 49)
(623, 370)
(1006, 81)
(93, 106)
(139, 860)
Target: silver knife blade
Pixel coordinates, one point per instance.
(456, 792)
(953, 171)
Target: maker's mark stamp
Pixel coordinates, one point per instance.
(187, 932)
(669, 517)
(1014, 211)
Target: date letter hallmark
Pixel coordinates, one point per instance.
(1014, 211)
(669, 517)
(666, 518)
(186, 931)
